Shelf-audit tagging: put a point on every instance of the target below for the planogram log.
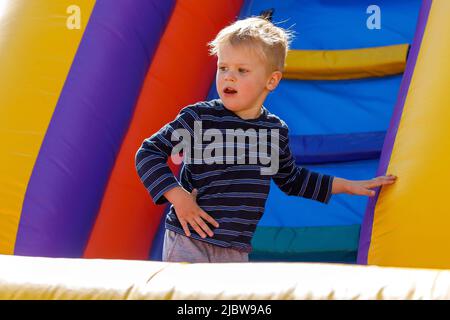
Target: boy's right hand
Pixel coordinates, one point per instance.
(189, 213)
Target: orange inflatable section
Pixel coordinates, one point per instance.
(180, 74)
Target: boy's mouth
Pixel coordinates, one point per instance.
(229, 90)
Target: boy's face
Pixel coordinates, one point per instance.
(243, 80)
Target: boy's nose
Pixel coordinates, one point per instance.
(229, 76)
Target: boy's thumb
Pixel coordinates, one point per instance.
(194, 193)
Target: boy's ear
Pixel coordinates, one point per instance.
(274, 80)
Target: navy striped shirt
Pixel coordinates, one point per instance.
(231, 187)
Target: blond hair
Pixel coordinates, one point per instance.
(257, 33)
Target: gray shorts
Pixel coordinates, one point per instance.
(179, 248)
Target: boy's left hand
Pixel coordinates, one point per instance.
(361, 187)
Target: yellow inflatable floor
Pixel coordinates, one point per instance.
(61, 278)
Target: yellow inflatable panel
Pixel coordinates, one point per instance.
(38, 42)
(61, 278)
(345, 64)
(412, 219)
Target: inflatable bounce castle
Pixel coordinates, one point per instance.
(83, 82)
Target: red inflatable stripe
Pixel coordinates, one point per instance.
(180, 74)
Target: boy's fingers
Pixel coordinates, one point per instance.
(203, 225)
(185, 227)
(196, 227)
(374, 184)
(366, 192)
(379, 181)
(386, 179)
(208, 218)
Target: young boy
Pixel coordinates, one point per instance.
(220, 198)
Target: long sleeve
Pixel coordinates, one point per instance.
(151, 157)
(299, 181)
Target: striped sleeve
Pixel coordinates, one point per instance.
(151, 158)
(299, 181)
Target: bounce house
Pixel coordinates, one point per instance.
(83, 82)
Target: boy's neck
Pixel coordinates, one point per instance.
(248, 114)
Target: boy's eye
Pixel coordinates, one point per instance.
(240, 70)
